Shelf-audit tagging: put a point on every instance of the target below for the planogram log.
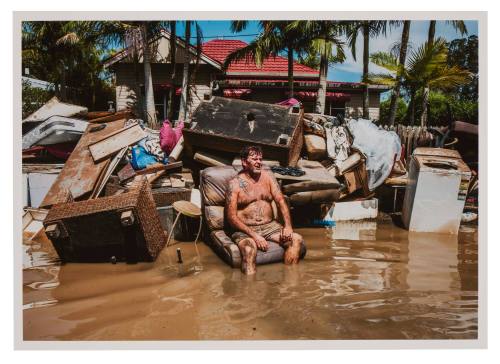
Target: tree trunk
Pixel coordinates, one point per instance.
(64, 96)
(411, 109)
(366, 51)
(323, 69)
(185, 75)
(425, 94)
(402, 60)
(173, 47)
(92, 85)
(432, 32)
(150, 109)
(425, 99)
(290, 71)
(137, 103)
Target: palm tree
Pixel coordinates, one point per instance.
(150, 108)
(186, 78)
(276, 36)
(138, 37)
(57, 50)
(402, 58)
(173, 49)
(369, 28)
(459, 26)
(426, 68)
(185, 72)
(324, 38)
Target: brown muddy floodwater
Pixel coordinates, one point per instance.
(385, 284)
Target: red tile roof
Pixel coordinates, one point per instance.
(219, 49)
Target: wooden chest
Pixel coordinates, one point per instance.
(227, 125)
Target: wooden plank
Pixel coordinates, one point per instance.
(115, 141)
(176, 152)
(210, 159)
(177, 181)
(116, 116)
(126, 172)
(80, 174)
(107, 172)
(160, 167)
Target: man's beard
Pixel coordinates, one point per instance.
(254, 171)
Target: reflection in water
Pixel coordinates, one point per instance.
(416, 286)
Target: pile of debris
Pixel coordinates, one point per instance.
(51, 132)
(115, 178)
(121, 178)
(318, 160)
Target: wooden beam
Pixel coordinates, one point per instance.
(116, 141)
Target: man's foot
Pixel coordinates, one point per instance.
(292, 254)
(247, 268)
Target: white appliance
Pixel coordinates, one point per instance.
(438, 181)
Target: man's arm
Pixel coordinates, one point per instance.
(235, 221)
(280, 200)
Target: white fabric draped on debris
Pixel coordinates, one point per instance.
(381, 148)
(337, 144)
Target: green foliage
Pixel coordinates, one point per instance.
(309, 59)
(463, 52)
(33, 98)
(461, 109)
(68, 54)
(400, 111)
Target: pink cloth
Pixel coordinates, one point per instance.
(289, 102)
(170, 136)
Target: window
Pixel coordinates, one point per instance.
(335, 108)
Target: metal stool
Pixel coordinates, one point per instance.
(189, 209)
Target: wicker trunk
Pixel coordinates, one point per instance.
(124, 227)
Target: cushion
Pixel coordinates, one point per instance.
(214, 216)
(215, 181)
(231, 253)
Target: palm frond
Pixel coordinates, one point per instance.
(70, 38)
(450, 77)
(238, 25)
(381, 79)
(247, 53)
(459, 26)
(385, 60)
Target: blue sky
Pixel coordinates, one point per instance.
(350, 70)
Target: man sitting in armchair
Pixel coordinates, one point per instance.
(250, 213)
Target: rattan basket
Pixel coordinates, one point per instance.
(94, 230)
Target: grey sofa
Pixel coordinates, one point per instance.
(213, 185)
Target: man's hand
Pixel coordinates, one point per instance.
(286, 235)
(262, 243)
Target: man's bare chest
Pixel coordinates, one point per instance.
(250, 192)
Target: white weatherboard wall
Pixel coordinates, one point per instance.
(354, 107)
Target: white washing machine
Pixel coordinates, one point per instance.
(438, 180)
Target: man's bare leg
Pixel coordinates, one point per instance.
(292, 252)
(248, 250)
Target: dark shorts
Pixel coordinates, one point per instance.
(265, 230)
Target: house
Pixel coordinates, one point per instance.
(242, 79)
